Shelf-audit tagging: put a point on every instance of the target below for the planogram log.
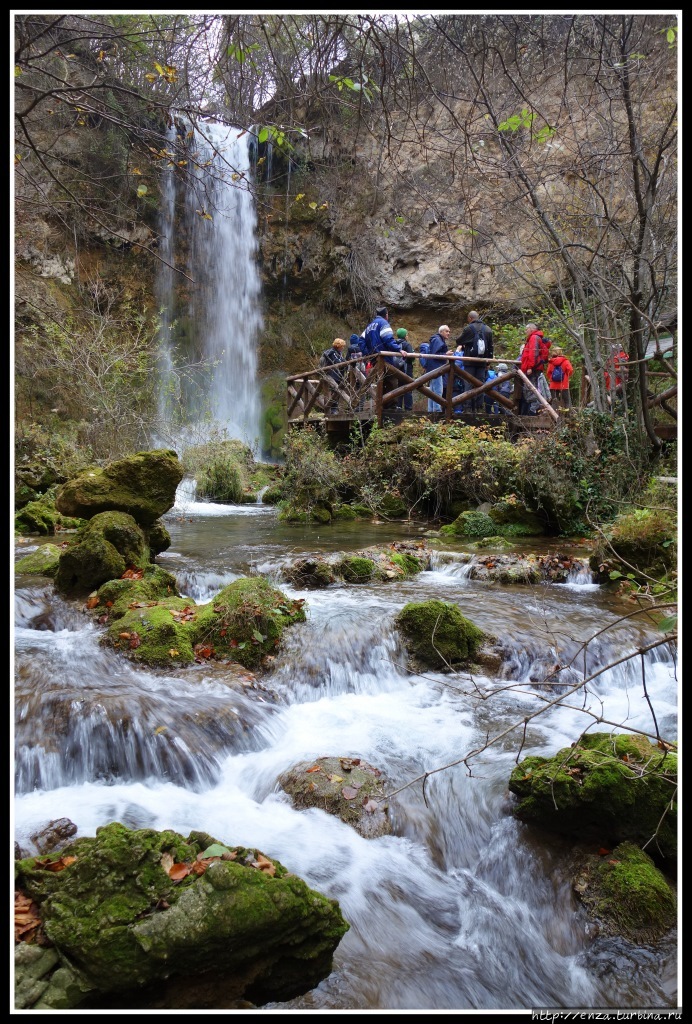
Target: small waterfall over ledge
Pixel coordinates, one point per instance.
(211, 317)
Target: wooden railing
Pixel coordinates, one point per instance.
(345, 391)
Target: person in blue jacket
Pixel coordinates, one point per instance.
(378, 336)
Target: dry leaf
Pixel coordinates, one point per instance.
(348, 792)
(264, 864)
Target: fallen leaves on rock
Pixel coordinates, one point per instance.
(28, 926)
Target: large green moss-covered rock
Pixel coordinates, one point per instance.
(607, 788)
(437, 635)
(626, 894)
(110, 543)
(42, 562)
(243, 623)
(142, 485)
(131, 909)
(42, 517)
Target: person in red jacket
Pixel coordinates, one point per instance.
(559, 373)
(619, 364)
(534, 355)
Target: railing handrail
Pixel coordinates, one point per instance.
(448, 356)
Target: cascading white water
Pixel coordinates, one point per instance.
(211, 323)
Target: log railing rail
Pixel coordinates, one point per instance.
(344, 391)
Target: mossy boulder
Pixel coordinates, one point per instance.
(310, 572)
(395, 562)
(625, 894)
(514, 519)
(391, 506)
(498, 543)
(117, 597)
(644, 540)
(606, 788)
(143, 486)
(347, 787)
(437, 635)
(356, 569)
(471, 524)
(158, 538)
(246, 620)
(243, 623)
(42, 562)
(344, 512)
(507, 569)
(43, 518)
(109, 544)
(137, 911)
(291, 512)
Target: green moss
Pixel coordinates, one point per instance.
(110, 543)
(471, 524)
(142, 485)
(437, 634)
(159, 634)
(118, 918)
(609, 788)
(410, 564)
(344, 512)
(156, 584)
(290, 512)
(43, 562)
(497, 542)
(272, 495)
(628, 895)
(42, 517)
(356, 569)
(245, 620)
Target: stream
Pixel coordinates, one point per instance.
(463, 907)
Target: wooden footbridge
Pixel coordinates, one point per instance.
(345, 393)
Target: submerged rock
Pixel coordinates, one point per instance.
(347, 787)
(190, 921)
(396, 561)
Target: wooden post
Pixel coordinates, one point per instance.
(380, 388)
(449, 408)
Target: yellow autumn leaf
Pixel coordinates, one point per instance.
(136, 170)
(161, 728)
(150, 77)
(301, 195)
(158, 68)
(335, 778)
(313, 206)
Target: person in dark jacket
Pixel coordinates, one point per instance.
(330, 360)
(406, 401)
(437, 346)
(476, 340)
(378, 336)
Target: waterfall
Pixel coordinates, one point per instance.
(211, 317)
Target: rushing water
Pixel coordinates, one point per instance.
(462, 908)
(211, 317)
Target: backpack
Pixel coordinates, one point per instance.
(423, 351)
(480, 343)
(557, 376)
(543, 352)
